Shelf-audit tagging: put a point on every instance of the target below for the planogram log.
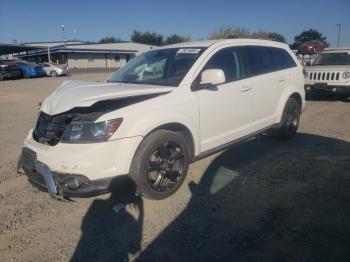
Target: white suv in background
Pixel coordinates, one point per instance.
(330, 73)
(149, 125)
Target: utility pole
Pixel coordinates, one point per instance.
(339, 28)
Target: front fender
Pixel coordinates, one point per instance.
(143, 127)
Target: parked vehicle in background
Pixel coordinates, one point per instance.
(204, 97)
(55, 69)
(29, 69)
(329, 73)
(8, 70)
(311, 47)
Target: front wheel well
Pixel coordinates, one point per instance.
(184, 131)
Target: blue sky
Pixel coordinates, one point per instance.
(35, 20)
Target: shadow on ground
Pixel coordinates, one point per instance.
(266, 200)
(107, 236)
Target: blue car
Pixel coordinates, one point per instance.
(30, 69)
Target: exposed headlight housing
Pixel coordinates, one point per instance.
(90, 132)
(346, 75)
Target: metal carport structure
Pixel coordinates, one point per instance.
(6, 49)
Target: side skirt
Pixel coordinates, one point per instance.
(234, 142)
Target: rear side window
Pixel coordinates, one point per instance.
(258, 59)
(282, 58)
(228, 60)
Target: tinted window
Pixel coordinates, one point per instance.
(228, 61)
(282, 58)
(258, 59)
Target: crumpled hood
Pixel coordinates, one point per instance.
(85, 93)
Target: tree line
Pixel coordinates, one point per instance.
(157, 39)
(149, 38)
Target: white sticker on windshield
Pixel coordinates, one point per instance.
(188, 51)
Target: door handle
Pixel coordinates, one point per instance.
(246, 88)
(281, 79)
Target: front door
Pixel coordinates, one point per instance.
(225, 110)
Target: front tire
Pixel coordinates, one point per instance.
(290, 120)
(160, 164)
(53, 73)
(26, 76)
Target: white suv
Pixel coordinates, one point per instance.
(151, 124)
(330, 73)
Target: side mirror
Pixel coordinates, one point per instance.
(212, 77)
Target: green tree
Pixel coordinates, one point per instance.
(277, 37)
(147, 38)
(269, 36)
(175, 38)
(308, 35)
(229, 32)
(110, 39)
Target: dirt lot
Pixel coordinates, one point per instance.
(260, 201)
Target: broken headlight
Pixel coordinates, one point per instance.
(90, 132)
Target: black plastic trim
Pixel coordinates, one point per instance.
(234, 142)
(89, 188)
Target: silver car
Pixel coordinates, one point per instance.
(55, 69)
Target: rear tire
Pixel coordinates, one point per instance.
(289, 121)
(160, 164)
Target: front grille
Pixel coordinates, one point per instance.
(49, 129)
(324, 76)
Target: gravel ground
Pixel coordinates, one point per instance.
(262, 200)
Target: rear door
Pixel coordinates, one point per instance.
(268, 84)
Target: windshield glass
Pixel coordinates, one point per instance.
(158, 67)
(333, 59)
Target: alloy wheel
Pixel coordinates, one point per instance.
(165, 166)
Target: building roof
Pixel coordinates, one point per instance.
(111, 48)
(54, 43)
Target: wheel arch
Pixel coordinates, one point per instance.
(183, 130)
(297, 96)
(293, 92)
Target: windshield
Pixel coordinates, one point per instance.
(333, 59)
(158, 67)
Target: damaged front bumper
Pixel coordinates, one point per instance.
(76, 170)
(59, 185)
